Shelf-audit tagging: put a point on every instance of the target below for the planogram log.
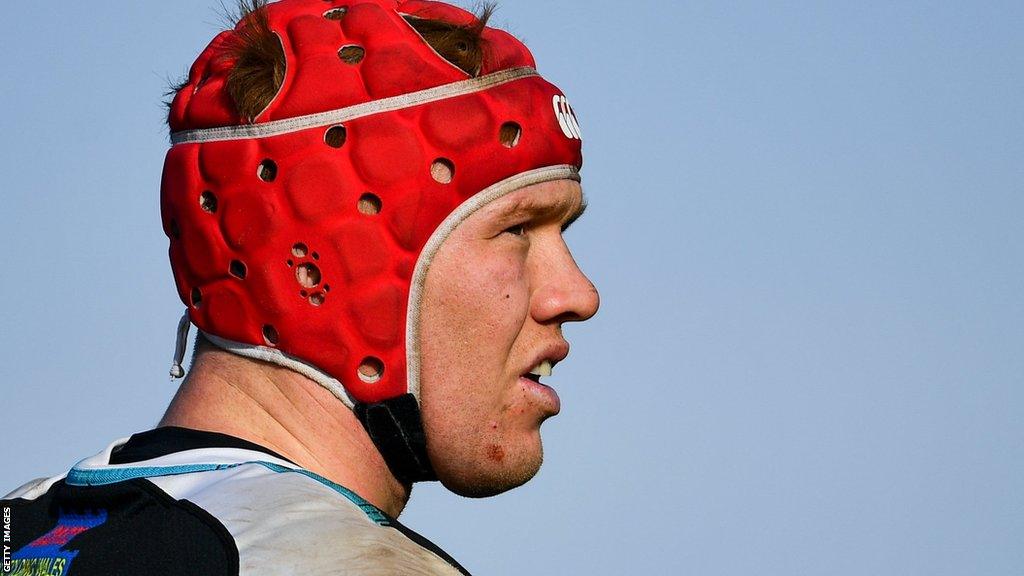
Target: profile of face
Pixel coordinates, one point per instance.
(495, 298)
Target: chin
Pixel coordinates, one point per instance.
(493, 478)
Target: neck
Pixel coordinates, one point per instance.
(290, 414)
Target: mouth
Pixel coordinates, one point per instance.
(542, 393)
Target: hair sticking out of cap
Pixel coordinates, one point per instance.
(461, 45)
(259, 66)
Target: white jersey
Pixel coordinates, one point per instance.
(220, 506)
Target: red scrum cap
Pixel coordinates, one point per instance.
(303, 236)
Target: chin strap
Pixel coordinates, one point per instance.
(396, 429)
(179, 347)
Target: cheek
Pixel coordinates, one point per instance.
(504, 280)
(469, 329)
(471, 315)
(492, 298)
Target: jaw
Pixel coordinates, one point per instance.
(496, 456)
(500, 472)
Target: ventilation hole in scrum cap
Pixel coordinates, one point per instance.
(308, 275)
(289, 263)
(270, 334)
(371, 370)
(237, 269)
(327, 287)
(196, 297)
(509, 134)
(299, 250)
(267, 170)
(315, 256)
(208, 201)
(335, 136)
(351, 54)
(316, 299)
(369, 204)
(442, 170)
(336, 13)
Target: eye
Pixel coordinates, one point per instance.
(517, 230)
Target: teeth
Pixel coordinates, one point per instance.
(542, 369)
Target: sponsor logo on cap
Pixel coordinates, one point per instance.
(566, 117)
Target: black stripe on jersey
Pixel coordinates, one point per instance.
(170, 439)
(424, 543)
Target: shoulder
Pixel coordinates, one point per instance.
(33, 488)
(258, 516)
(287, 521)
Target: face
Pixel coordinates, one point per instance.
(496, 296)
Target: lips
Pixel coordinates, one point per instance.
(542, 365)
(544, 395)
(546, 358)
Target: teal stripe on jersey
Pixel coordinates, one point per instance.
(103, 476)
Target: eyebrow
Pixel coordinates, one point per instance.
(533, 209)
(576, 215)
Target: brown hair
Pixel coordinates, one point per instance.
(259, 59)
(459, 44)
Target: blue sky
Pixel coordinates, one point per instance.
(805, 222)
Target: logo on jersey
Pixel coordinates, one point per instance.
(566, 117)
(46, 554)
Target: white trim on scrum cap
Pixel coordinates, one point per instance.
(341, 115)
(275, 356)
(419, 278)
(256, 352)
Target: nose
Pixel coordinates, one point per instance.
(563, 292)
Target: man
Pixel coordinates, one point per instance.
(365, 204)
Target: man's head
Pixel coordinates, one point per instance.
(328, 170)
